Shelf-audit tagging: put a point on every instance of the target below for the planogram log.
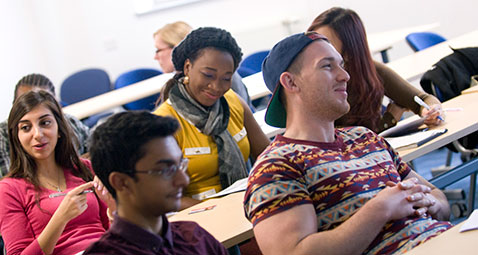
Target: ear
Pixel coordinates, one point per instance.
(187, 66)
(120, 182)
(287, 80)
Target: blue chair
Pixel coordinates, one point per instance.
(134, 76)
(252, 63)
(423, 40)
(245, 71)
(83, 85)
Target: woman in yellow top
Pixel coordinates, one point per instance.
(218, 130)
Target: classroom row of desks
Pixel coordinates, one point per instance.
(408, 67)
(227, 222)
(229, 225)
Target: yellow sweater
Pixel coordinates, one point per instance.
(201, 150)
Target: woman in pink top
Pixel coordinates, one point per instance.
(47, 206)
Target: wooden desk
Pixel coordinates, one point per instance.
(449, 242)
(413, 66)
(473, 89)
(118, 97)
(226, 222)
(459, 124)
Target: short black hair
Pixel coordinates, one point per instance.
(117, 144)
(205, 37)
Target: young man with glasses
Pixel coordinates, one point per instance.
(138, 160)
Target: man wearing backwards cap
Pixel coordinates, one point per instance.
(324, 190)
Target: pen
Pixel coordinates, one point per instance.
(420, 102)
(60, 194)
(426, 140)
(202, 209)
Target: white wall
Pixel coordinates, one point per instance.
(60, 37)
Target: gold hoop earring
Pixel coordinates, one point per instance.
(186, 80)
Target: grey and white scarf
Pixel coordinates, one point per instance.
(212, 121)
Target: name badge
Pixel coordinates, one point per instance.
(197, 151)
(205, 194)
(240, 135)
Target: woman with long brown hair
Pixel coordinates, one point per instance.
(47, 201)
(369, 79)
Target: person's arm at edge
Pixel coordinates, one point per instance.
(257, 139)
(400, 90)
(402, 93)
(4, 150)
(81, 131)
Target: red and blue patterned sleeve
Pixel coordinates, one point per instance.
(275, 184)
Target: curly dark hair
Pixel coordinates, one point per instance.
(117, 144)
(191, 48)
(204, 37)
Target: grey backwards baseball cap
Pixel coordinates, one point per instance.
(278, 61)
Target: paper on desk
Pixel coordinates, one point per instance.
(403, 129)
(414, 140)
(471, 223)
(237, 186)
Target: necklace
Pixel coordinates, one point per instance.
(54, 186)
(57, 187)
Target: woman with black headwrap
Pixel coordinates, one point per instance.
(218, 130)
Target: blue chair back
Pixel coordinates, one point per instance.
(423, 40)
(245, 71)
(252, 64)
(134, 76)
(83, 85)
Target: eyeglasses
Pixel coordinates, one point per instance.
(168, 172)
(159, 50)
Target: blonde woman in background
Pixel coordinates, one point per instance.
(165, 39)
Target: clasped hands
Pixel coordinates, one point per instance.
(407, 198)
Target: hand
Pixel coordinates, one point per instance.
(395, 200)
(420, 196)
(74, 203)
(431, 116)
(103, 194)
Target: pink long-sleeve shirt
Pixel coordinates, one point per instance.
(22, 220)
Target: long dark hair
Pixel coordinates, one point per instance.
(22, 164)
(192, 47)
(365, 88)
